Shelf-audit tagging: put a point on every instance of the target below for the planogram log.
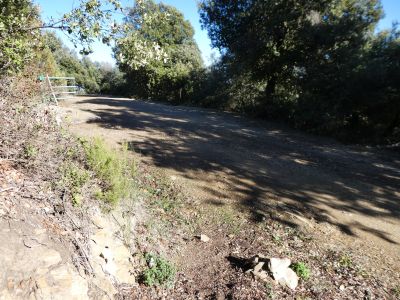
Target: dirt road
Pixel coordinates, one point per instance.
(349, 192)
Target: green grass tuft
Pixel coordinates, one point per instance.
(302, 270)
(396, 292)
(30, 151)
(346, 261)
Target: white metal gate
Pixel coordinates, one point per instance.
(62, 88)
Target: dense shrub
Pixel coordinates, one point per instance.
(319, 65)
(158, 53)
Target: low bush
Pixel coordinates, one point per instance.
(74, 178)
(113, 168)
(160, 271)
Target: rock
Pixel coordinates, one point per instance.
(281, 272)
(258, 267)
(99, 221)
(204, 238)
(61, 283)
(105, 286)
(151, 263)
(109, 266)
(260, 274)
(59, 209)
(78, 286)
(41, 231)
(111, 258)
(10, 283)
(277, 265)
(290, 279)
(258, 262)
(220, 295)
(51, 257)
(122, 258)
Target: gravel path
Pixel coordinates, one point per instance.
(351, 192)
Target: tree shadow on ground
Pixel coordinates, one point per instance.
(268, 168)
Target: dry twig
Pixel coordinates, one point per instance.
(6, 189)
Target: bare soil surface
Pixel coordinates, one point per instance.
(347, 196)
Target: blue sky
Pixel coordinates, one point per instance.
(56, 8)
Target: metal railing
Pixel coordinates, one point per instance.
(66, 88)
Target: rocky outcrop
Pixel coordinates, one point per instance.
(38, 259)
(111, 258)
(33, 268)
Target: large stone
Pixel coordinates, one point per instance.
(281, 272)
(51, 257)
(62, 282)
(33, 266)
(110, 256)
(105, 286)
(258, 267)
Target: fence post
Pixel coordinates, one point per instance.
(51, 89)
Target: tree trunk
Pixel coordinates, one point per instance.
(270, 89)
(393, 124)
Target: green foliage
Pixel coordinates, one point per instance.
(112, 81)
(396, 292)
(346, 261)
(90, 20)
(113, 168)
(316, 64)
(158, 52)
(270, 291)
(87, 74)
(276, 39)
(20, 25)
(165, 204)
(17, 40)
(74, 178)
(301, 270)
(93, 77)
(163, 195)
(375, 109)
(30, 151)
(160, 271)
